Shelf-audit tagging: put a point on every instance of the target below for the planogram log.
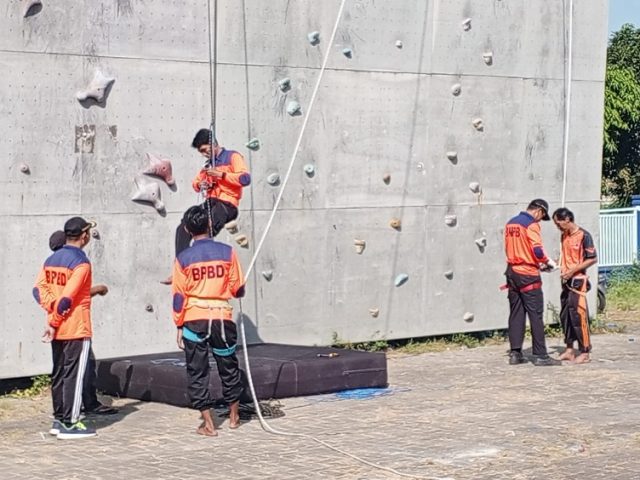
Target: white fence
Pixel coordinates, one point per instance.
(618, 237)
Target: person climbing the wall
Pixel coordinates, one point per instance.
(63, 289)
(221, 180)
(578, 254)
(90, 403)
(525, 258)
(205, 276)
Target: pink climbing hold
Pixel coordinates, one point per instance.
(161, 168)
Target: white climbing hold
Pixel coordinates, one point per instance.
(253, 144)
(452, 156)
(268, 275)
(488, 57)
(24, 168)
(273, 179)
(481, 242)
(456, 89)
(242, 240)
(309, 169)
(148, 192)
(374, 312)
(314, 38)
(478, 124)
(284, 85)
(448, 274)
(475, 187)
(97, 88)
(148, 307)
(399, 44)
(395, 223)
(232, 226)
(30, 7)
(360, 246)
(347, 52)
(160, 167)
(466, 25)
(450, 220)
(401, 279)
(294, 108)
(386, 178)
(468, 317)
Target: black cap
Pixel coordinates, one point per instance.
(541, 204)
(76, 226)
(57, 240)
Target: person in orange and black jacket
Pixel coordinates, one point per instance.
(205, 276)
(525, 258)
(63, 289)
(578, 254)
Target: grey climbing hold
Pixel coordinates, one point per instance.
(268, 275)
(232, 226)
(481, 242)
(24, 168)
(448, 274)
(401, 279)
(95, 233)
(97, 88)
(360, 246)
(456, 89)
(31, 7)
(284, 85)
(347, 52)
(314, 38)
(475, 187)
(148, 192)
(488, 57)
(478, 124)
(294, 108)
(452, 156)
(273, 179)
(242, 240)
(374, 312)
(160, 167)
(148, 307)
(386, 178)
(450, 220)
(253, 144)
(399, 44)
(309, 169)
(395, 223)
(466, 25)
(468, 317)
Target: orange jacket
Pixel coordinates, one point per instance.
(63, 289)
(208, 270)
(235, 177)
(576, 248)
(523, 244)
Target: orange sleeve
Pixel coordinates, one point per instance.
(70, 294)
(178, 288)
(239, 175)
(198, 178)
(535, 240)
(236, 278)
(42, 292)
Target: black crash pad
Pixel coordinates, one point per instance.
(278, 371)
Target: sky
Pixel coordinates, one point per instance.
(623, 11)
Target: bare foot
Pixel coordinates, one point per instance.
(568, 354)
(234, 422)
(206, 431)
(582, 358)
(234, 415)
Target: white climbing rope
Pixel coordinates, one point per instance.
(266, 427)
(567, 104)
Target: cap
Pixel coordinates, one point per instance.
(541, 204)
(57, 240)
(76, 226)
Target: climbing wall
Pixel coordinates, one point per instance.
(435, 122)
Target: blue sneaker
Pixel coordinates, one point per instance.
(75, 430)
(55, 427)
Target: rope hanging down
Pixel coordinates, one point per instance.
(213, 82)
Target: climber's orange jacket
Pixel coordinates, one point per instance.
(235, 176)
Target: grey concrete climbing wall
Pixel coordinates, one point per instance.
(435, 122)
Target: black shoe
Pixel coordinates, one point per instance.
(545, 361)
(516, 358)
(102, 410)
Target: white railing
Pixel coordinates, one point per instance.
(618, 237)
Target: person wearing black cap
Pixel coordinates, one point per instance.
(525, 259)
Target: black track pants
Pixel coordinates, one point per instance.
(221, 212)
(70, 359)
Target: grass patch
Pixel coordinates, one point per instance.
(623, 288)
(38, 385)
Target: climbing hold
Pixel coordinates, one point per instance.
(478, 124)
(148, 192)
(253, 144)
(374, 312)
(232, 226)
(24, 168)
(475, 187)
(481, 242)
(294, 108)
(395, 223)
(97, 88)
(401, 279)
(448, 274)
(268, 275)
(314, 38)
(488, 58)
(31, 7)
(273, 179)
(399, 44)
(285, 84)
(347, 52)
(386, 178)
(148, 307)
(452, 156)
(456, 89)
(160, 167)
(468, 317)
(242, 240)
(466, 25)
(95, 233)
(309, 169)
(360, 246)
(451, 220)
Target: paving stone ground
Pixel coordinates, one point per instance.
(460, 414)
